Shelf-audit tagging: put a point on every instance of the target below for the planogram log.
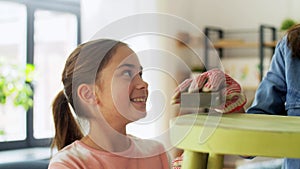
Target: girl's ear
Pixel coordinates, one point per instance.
(86, 94)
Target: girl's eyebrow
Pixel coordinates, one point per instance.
(129, 65)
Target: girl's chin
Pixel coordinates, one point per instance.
(138, 114)
(141, 114)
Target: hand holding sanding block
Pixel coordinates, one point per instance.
(200, 100)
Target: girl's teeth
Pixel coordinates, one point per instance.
(138, 100)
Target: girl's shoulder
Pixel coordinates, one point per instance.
(70, 150)
(75, 155)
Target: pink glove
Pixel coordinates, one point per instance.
(211, 81)
(182, 87)
(177, 162)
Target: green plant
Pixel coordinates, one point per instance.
(15, 84)
(287, 23)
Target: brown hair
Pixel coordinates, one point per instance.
(293, 40)
(84, 65)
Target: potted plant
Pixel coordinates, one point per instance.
(15, 87)
(287, 24)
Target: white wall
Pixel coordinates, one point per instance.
(96, 14)
(229, 14)
(233, 13)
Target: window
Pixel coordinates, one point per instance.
(52, 46)
(12, 50)
(42, 33)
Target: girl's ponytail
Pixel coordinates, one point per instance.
(67, 129)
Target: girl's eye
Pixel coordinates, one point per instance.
(127, 73)
(131, 74)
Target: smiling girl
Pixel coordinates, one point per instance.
(103, 85)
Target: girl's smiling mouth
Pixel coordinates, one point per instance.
(139, 99)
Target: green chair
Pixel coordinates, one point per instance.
(205, 138)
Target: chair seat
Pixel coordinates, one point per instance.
(235, 134)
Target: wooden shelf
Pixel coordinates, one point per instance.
(222, 43)
(271, 44)
(235, 44)
(241, 44)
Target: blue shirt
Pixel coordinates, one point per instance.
(279, 91)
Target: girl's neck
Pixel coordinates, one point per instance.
(106, 138)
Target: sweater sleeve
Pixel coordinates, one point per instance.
(271, 94)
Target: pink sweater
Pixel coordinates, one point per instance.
(142, 154)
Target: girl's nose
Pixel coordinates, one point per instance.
(140, 83)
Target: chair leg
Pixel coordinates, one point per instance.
(215, 161)
(194, 160)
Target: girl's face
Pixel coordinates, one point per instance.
(123, 93)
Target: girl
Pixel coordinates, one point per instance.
(103, 85)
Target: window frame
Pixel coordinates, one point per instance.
(67, 6)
